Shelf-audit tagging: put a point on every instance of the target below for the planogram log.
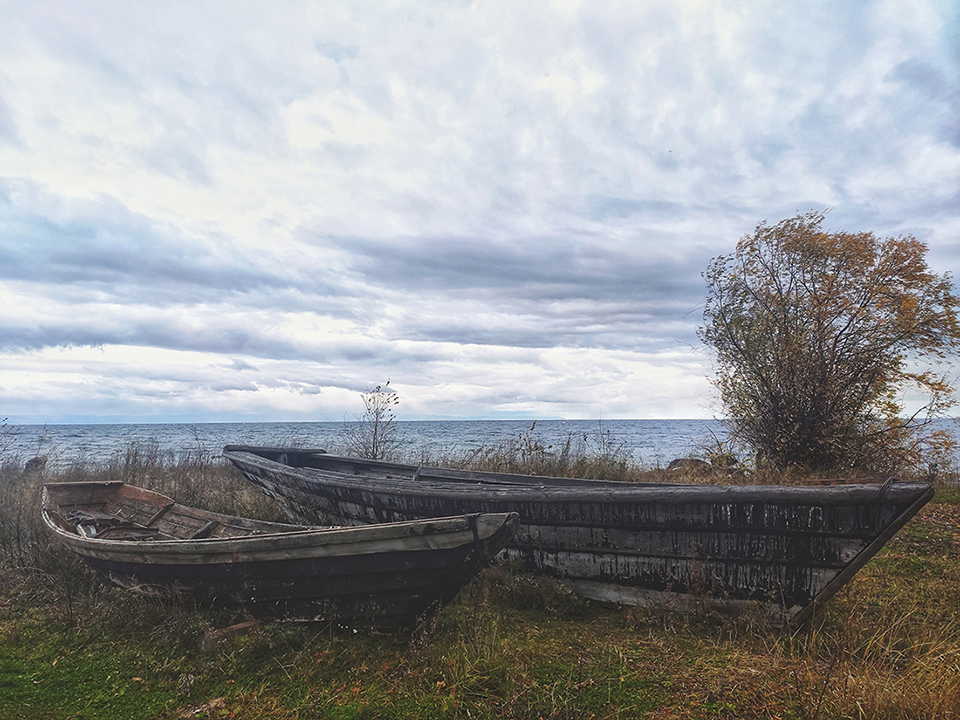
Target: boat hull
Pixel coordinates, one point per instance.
(383, 575)
(787, 549)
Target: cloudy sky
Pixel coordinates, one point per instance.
(254, 211)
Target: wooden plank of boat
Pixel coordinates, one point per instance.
(787, 548)
(383, 574)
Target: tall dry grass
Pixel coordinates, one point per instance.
(597, 455)
(512, 646)
(600, 455)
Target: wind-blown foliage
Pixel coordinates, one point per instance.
(818, 335)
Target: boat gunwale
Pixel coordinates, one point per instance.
(299, 537)
(423, 485)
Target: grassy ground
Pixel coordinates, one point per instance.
(510, 646)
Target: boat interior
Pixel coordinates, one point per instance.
(117, 511)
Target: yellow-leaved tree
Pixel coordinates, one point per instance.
(818, 336)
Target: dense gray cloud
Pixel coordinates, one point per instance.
(232, 210)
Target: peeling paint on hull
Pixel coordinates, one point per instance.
(787, 548)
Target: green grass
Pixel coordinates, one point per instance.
(510, 646)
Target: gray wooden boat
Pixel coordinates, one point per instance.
(786, 548)
(379, 575)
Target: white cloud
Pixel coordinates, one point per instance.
(503, 207)
(337, 118)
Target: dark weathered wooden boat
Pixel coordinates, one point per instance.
(786, 548)
(381, 575)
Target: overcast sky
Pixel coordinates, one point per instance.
(255, 211)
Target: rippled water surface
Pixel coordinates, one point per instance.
(652, 442)
(649, 441)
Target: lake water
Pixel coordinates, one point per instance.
(650, 442)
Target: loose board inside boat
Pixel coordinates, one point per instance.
(786, 548)
(382, 574)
